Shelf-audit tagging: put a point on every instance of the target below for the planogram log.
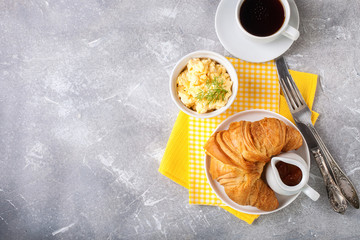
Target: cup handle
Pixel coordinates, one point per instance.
(291, 33)
(310, 192)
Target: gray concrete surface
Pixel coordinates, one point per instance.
(85, 115)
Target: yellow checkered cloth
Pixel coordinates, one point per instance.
(183, 160)
(258, 89)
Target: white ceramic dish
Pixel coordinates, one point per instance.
(179, 67)
(254, 115)
(234, 41)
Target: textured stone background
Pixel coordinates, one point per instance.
(85, 115)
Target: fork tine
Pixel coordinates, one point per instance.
(293, 88)
(292, 91)
(287, 94)
(296, 92)
(294, 97)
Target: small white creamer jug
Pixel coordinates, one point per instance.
(284, 181)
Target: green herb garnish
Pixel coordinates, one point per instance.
(215, 91)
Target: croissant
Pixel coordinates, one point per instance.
(239, 154)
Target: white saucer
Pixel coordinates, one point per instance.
(238, 45)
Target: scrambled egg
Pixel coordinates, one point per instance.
(204, 85)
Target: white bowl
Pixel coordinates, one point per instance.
(179, 67)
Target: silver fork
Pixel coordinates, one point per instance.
(302, 117)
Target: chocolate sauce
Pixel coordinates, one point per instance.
(290, 174)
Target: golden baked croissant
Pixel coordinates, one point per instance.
(239, 154)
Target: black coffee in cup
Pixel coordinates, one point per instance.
(262, 17)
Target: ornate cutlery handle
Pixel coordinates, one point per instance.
(347, 188)
(337, 200)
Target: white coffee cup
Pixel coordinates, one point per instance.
(274, 180)
(285, 30)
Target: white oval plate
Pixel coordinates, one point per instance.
(235, 42)
(254, 115)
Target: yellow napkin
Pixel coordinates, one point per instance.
(175, 162)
